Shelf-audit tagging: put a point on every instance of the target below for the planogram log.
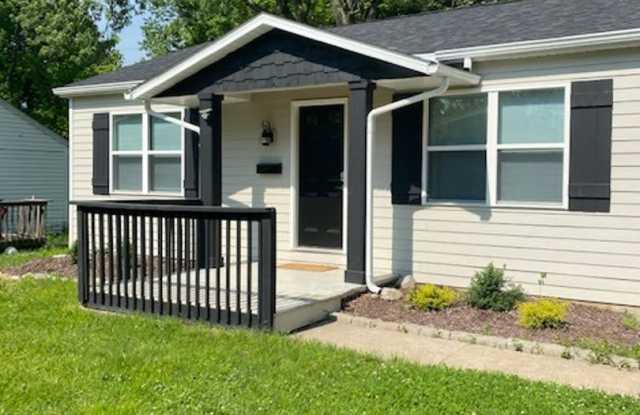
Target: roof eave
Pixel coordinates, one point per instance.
(108, 88)
(566, 44)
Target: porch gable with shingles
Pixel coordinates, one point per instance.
(279, 59)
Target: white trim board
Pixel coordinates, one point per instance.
(295, 169)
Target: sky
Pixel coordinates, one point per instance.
(130, 39)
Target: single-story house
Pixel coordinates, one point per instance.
(33, 165)
(431, 144)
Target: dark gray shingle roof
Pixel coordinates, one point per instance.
(496, 23)
(143, 71)
(513, 21)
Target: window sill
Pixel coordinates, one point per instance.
(142, 194)
(522, 206)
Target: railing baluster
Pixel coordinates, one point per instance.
(187, 251)
(196, 258)
(103, 271)
(152, 260)
(93, 257)
(218, 259)
(134, 260)
(249, 266)
(118, 256)
(111, 271)
(238, 270)
(167, 241)
(127, 259)
(207, 266)
(227, 254)
(179, 264)
(160, 267)
(143, 260)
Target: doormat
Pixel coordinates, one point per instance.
(307, 267)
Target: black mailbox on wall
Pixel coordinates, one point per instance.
(269, 168)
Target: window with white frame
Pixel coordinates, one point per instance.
(531, 145)
(456, 148)
(498, 148)
(146, 154)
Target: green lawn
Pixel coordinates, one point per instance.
(56, 244)
(58, 358)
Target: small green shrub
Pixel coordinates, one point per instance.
(490, 291)
(430, 297)
(542, 314)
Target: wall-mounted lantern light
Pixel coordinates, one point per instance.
(267, 134)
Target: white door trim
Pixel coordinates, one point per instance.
(295, 170)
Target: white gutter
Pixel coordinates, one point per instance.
(95, 89)
(165, 117)
(590, 41)
(371, 133)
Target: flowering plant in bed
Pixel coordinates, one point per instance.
(430, 297)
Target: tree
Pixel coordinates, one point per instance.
(174, 24)
(47, 43)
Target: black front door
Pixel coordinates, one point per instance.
(321, 163)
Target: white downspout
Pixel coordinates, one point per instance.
(371, 133)
(165, 117)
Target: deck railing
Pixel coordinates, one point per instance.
(196, 262)
(22, 222)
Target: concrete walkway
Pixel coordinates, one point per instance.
(431, 351)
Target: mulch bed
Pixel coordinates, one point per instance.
(59, 266)
(583, 321)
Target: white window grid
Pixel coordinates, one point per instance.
(146, 153)
(492, 149)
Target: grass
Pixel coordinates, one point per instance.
(56, 245)
(602, 351)
(630, 321)
(58, 358)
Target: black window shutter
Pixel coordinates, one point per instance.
(100, 180)
(191, 149)
(590, 166)
(406, 154)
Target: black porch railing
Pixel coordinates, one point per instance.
(22, 223)
(196, 262)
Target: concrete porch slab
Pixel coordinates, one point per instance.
(302, 297)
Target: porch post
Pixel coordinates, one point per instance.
(211, 149)
(210, 167)
(360, 103)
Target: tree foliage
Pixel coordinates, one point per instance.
(49, 43)
(174, 24)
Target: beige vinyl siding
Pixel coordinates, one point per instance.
(33, 163)
(586, 256)
(242, 151)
